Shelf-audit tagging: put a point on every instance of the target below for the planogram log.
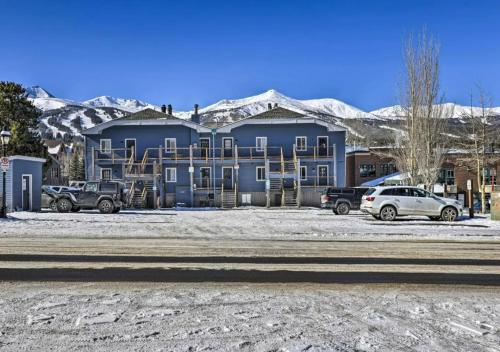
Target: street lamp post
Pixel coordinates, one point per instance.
(214, 132)
(5, 137)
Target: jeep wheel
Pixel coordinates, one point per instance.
(343, 208)
(116, 210)
(64, 205)
(388, 213)
(53, 205)
(105, 206)
(449, 214)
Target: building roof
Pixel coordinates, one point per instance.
(149, 114)
(278, 113)
(26, 158)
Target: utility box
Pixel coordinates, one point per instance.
(495, 206)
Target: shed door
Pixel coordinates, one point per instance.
(26, 186)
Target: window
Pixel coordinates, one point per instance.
(105, 174)
(170, 174)
(108, 187)
(260, 173)
(489, 176)
(367, 170)
(170, 145)
(387, 169)
(303, 173)
(105, 145)
(260, 143)
(301, 143)
(447, 176)
(91, 187)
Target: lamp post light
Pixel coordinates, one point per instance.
(5, 137)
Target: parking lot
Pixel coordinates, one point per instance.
(243, 223)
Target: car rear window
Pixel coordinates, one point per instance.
(108, 187)
(370, 191)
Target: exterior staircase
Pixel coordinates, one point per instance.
(228, 199)
(290, 198)
(137, 198)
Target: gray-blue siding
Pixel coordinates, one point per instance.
(18, 169)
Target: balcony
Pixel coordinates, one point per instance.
(124, 155)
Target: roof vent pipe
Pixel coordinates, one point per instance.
(196, 109)
(164, 109)
(269, 106)
(169, 109)
(195, 117)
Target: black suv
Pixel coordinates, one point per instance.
(107, 196)
(342, 200)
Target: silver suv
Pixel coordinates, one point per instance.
(386, 203)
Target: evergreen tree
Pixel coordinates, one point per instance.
(81, 169)
(74, 166)
(20, 116)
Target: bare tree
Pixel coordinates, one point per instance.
(478, 138)
(420, 148)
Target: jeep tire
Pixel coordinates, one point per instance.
(64, 205)
(105, 206)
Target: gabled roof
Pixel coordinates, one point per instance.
(279, 115)
(148, 117)
(149, 114)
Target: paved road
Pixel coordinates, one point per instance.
(194, 259)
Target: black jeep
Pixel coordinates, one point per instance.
(342, 200)
(107, 196)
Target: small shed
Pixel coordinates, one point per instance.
(23, 183)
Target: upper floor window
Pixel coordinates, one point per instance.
(301, 143)
(105, 174)
(387, 169)
(303, 173)
(489, 175)
(367, 170)
(260, 173)
(170, 145)
(260, 143)
(105, 145)
(170, 174)
(447, 176)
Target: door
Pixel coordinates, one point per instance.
(130, 148)
(227, 175)
(228, 147)
(105, 174)
(323, 175)
(205, 147)
(425, 203)
(26, 192)
(405, 201)
(88, 196)
(205, 177)
(323, 146)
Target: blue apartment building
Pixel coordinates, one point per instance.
(275, 158)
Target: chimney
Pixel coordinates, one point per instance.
(269, 106)
(275, 105)
(164, 109)
(195, 117)
(169, 109)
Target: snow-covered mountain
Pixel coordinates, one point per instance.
(131, 105)
(451, 110)
(64, 118)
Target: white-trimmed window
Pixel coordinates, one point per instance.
(105, 174)
(260, 173)
(301, 143)
(170, 145)
(170, 174)
(303, 173)
(260, 143)
(105, 145)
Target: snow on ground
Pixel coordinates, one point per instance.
(261, 223)
(240, 317)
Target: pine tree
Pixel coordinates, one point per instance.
(20, 116)
(74, 166)
(81, 169)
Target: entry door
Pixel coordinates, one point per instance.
(323, 146)
(227, 174)
(228, 147)
(205, 177)
(26, 192)
(129, 148)
(205, 147)
(323, 175)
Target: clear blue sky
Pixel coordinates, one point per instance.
(186, 52)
